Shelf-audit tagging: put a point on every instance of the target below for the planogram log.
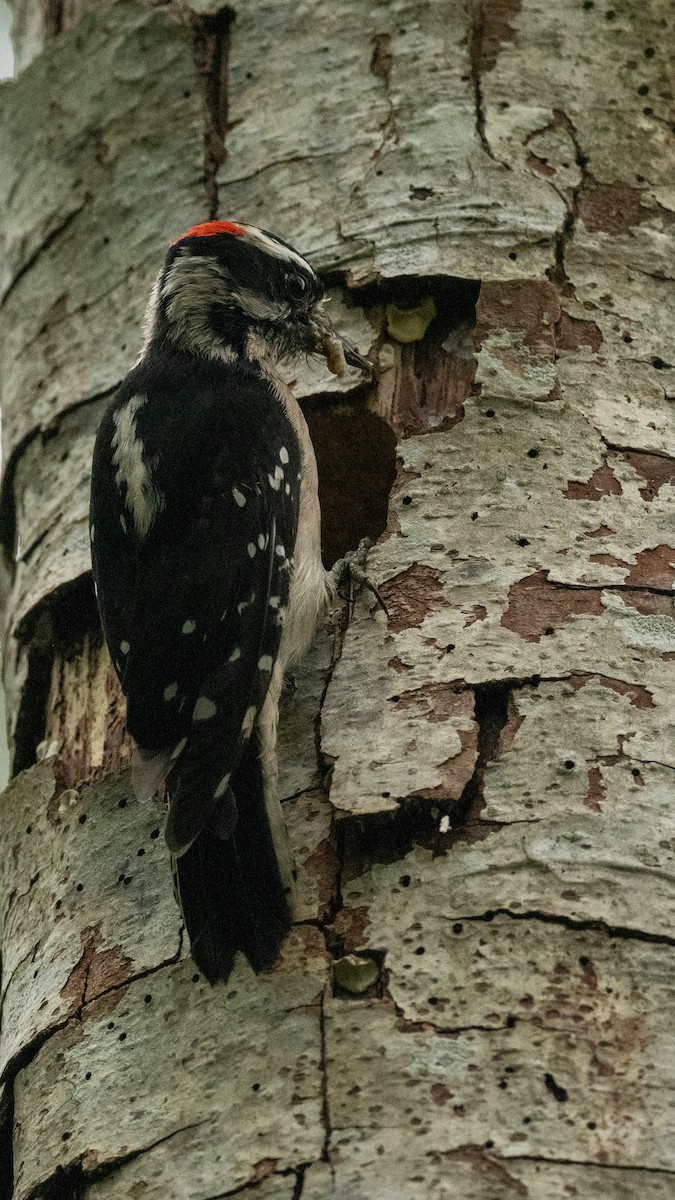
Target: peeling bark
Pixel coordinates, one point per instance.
(479, 780)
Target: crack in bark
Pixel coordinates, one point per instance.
(211, 40)
(475, 45)
(39, 250)
(614, 931)
(586, 1162)
(558, 274)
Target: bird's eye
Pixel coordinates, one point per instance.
(296, 286)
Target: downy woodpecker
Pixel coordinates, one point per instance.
(206, 552)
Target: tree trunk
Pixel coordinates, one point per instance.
(477, 998)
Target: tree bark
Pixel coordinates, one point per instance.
(476, 1000)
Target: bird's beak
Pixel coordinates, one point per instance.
(336, 350)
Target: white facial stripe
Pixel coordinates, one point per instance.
(261, 308)
(260, 239)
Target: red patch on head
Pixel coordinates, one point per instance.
(211, 227)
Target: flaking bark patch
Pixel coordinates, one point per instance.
(537, 607)
(601, 483)
(616, 208)
(409, 596)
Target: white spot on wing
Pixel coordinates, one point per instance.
(92, 531)
(239, 497)
(280, 550)
(123, 522)
(240, 609)
(204, 709)
(274, 601)
(251, 550)
(236, 654)
(288, 489)
(283, 454)
(265, 662)
(125, 647)
(171, 691)
(222, 787)
(261, 540)
(189, 627)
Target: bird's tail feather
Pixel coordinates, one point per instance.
(232, 891)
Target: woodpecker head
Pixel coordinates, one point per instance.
(230, 290)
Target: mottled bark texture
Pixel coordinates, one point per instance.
(477, 1000)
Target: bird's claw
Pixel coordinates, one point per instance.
(350, 576)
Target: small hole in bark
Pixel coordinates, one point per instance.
(386, 795)
(588, 5)
(82, 818)
(122, 1037)
(489, 1144)
(195, 978)
(255, 1087)
(643, 89)
(512, 255)
(627, 339)
(658, 364)
(394, 699)
(421, 950)
(504, 104)
(111, 1024)
(127, 880)
(648, 112)
(120, 878)
(474, 516)
(649, 52)
(29, 828)
(549, 631)
(569, 764)
(457, 927)
(610, 14)
(450, 647)
(140, 852)
(591, 1125)
(584, 960)
(121, 803)
(80, 887)
(155, 834)
(636, 773)
(87, 1075)
(65, 1136)
(407, 500)
(526, 1120)
(503, 1084)
(523, 542)
(148, 998)
(433, 1000)
(489, 412)
(58, 905)
(533, 453)
(510, 1022)
(404, 881)
(559, 1093)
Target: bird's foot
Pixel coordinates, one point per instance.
(349, 575)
